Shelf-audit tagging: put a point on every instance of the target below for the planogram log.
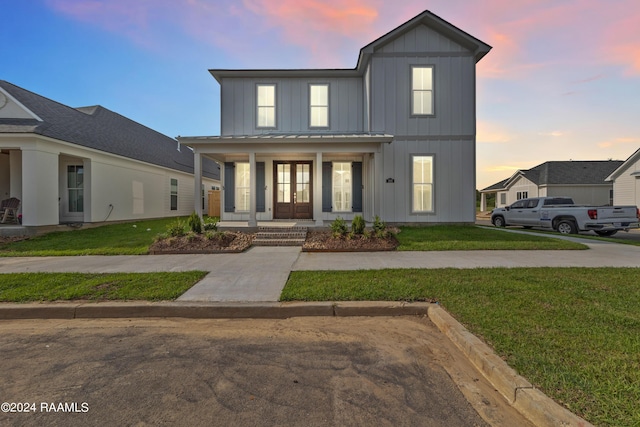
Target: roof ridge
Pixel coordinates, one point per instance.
(38, 95)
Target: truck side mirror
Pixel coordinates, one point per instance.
(507, 207)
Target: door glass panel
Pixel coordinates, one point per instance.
(284, 183)
(302, 183)
(75, 190)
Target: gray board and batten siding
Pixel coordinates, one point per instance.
(448, 134)
(292, 105)
(374, 98)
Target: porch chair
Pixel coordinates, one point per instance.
(9, 210)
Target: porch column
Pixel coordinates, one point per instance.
(379, 185)
(317, 191)
(40, 190)
(252, 193)
(197, 182)
(483, 202)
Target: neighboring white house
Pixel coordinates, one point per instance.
(626, 181)
(583, 181)
(393, 137)
(90, 164)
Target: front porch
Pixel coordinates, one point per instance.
(289, 177)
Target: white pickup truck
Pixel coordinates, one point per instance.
(562, 215)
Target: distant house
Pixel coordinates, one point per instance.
(394, 137)
(90, 164)
(626, 181)
(584, 181)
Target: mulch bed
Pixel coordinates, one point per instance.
(227, 242)
(323, 241)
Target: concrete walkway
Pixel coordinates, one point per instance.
(259, 274)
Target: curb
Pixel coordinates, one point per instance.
(522, 395)
(207, 310)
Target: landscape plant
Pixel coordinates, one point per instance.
(195, 223)
(379, 228)
(176, 228)
(210, 224)
(358, 225)
(338, 228)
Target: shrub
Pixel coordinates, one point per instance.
(210, 224)
(192, 237)
(379, 227)
(195, 223)
(214, 235)
(176, 229)
(338, 227)
(357, 225)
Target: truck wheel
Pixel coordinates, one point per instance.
(606, 233)
(498, 221)
(566, 227)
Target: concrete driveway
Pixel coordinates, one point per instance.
(295, 372)
(621, 235)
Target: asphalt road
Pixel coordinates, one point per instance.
(295, 372)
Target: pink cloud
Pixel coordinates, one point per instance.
(527, 35)
(323, 27)
(619, 141)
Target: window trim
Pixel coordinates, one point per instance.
(432, 184)
(350, 187)
(172, 195)
(275, 105)
(413, 91)
(327, 106)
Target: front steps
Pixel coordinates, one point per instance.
(280, 236)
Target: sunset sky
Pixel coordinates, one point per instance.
(561, 82)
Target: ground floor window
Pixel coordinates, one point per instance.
(422, 182)
(342, 187)
(522, 195)
(243, 187)
(503, 198)
(174, 194)
(75, 187)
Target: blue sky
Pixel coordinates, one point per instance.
(562, 81)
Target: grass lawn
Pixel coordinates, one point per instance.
(29, 287)
(470, 237)
(114, 239)
(572, 332)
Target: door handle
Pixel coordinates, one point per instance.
(295, 197)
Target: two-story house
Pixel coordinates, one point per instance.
(393, 137)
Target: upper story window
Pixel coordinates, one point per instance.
(421, 90)
(266, 96)
(318, 105)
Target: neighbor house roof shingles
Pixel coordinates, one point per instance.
(572, 172)
(101, 129)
